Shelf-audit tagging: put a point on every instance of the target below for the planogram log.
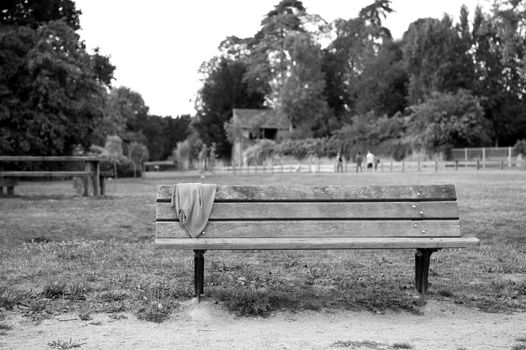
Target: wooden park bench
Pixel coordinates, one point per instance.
(425, 218)
(91, 171)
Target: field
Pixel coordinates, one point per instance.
(65, 255)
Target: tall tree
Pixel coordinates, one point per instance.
(437, 58)
(224, 88)
(357, 42)
(301, 96)
(499, 42)
(382, 86)
(51, 97)
(36, 12)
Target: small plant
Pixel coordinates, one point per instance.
(445, 293)
(117, 317)
(64, 345)
(37, 306)
(522, 345)
(9, 298)
(5, 327)
(78, 291)
(54, 290)
(358, 344)
(402, 346)
(85, 316)
(154, 311)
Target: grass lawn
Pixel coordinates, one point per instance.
(60, 253)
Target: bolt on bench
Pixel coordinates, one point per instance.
(424, 218)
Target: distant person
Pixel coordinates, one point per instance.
(376, 162)
(339, 163)
(359, 160)
(369, 159)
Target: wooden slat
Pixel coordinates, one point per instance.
(324, 193)
(42, 173)
(48, 158)
(322, 210)
(313, 228)
(318, 243)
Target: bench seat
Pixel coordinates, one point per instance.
(314, 243)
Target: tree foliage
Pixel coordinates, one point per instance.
(34, 13)
(225, 88)
(447, 119)
(52, 98)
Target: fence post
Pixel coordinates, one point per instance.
(509, 157)
(436, 165)
(391, 166)
(502, 164)
(95, 168)
(456, 164)
(478, 164)
(403, 166)
(87, 170)
(484, 157)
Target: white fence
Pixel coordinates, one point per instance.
(426, 166)
(482, 153)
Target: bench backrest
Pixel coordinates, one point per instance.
(321, 212)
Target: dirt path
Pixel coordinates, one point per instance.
(207, 326)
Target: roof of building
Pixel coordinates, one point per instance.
(267, 118)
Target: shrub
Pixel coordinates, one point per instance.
(449, 119)
(520, 147)
(303, 148)
(257, 154)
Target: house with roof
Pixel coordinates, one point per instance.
(256, 124)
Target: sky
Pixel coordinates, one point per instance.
(158, 48)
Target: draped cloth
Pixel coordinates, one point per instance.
(193, 204)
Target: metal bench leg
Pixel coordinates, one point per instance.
(422, 258)
(199, 272)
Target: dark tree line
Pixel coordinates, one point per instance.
(56, 96)
(448, 82)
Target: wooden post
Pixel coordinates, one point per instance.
(391, 166)
(422, 259)
(403, 166)
(502, 164)
(87, 169)
(102, 186)
(483, 157)
(456, 164)
(199, 265)
(478, 164)
(436, 165)
(418, 166)
(95, 167)
(509, 157)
